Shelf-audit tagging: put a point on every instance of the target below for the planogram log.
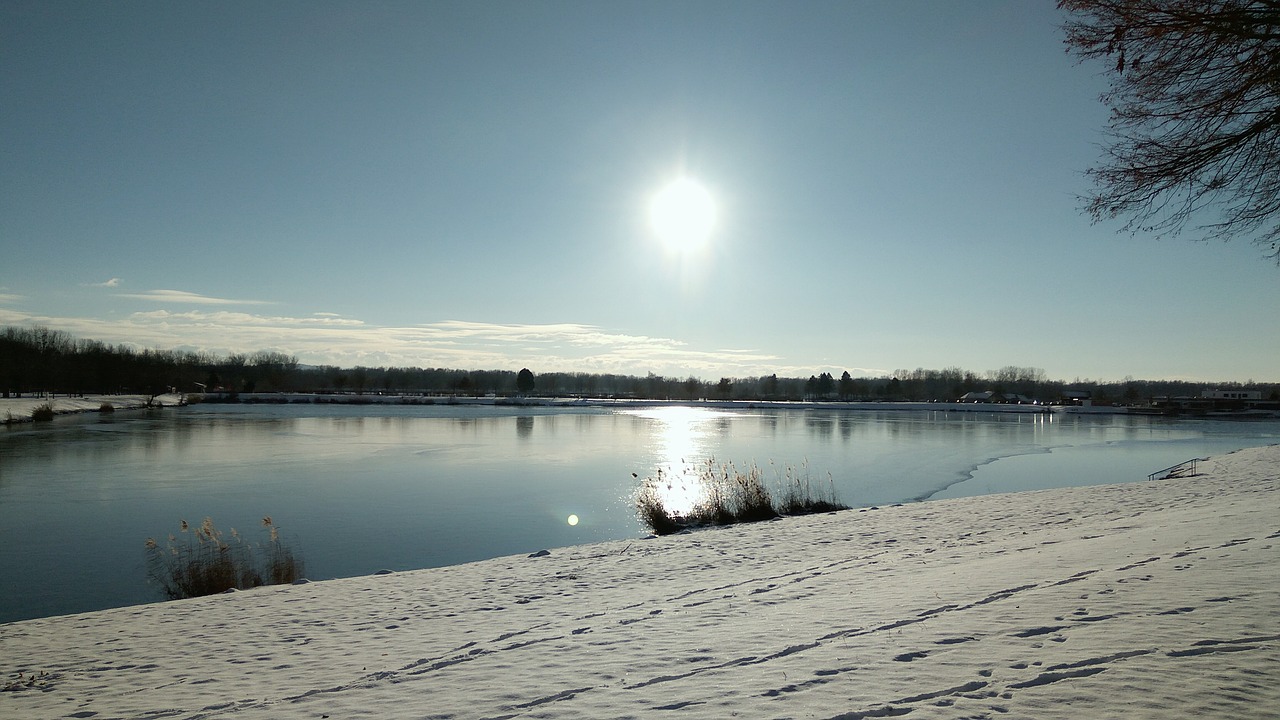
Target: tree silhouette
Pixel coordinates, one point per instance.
(826, 384)
(769, 386)
(524, 381)
(846, 385)
(1195, 114)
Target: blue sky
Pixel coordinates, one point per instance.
(467, 185)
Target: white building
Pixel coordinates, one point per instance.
(1232, 394)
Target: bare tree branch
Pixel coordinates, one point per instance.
(1195, 114)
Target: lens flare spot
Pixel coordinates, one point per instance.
(573, 519)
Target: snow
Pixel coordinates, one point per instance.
(20, 409)
(1153, 599)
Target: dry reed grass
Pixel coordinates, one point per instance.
(202, 561)
(728, 496)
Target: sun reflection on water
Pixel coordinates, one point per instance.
(682, 439)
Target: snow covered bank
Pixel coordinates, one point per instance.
(398, 399)
(20, 409)
(1154, 599)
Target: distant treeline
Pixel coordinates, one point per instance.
(36, 360)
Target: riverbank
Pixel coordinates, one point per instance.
(1149, 599)
(20, 410)
(560, 402)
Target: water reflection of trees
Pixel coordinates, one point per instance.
(821, 426)
(524, 427)
(904, 425)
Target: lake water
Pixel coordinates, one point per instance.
(358, 489)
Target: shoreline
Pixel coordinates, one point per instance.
(16, 411)
(19, 410)
(562, 402)
(376, 398)
(1139, 600)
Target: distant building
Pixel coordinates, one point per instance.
(1232, 394)
(1078, 398)
(1218, 401)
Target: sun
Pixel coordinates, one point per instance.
(683, 214)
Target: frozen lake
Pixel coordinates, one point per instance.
(363, 488)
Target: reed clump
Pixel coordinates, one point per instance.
(201, 560)
(42, 413)
(727, 495)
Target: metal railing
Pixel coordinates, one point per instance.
(1182, 469)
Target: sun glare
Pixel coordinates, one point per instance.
(683, 215)
(681, 437)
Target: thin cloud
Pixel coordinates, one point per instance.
(182, 296)
(10, 298)
(223, 318)
(327, 339)
(573, 333)
(112, 283)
